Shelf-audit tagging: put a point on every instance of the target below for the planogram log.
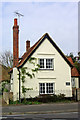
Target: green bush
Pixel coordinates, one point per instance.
(6, 90)
(50, 98)
(43, 99)
(14, 102)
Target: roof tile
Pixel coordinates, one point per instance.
(74, 71)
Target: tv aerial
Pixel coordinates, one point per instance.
(19, 15)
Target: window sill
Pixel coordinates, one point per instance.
(45, 94)
(46, 69)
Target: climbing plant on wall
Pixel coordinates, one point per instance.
(24, 71)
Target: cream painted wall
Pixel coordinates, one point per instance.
(15, 87)
(59, 76)
(77, 82)
(11, 82)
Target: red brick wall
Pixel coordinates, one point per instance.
(15, 43)
(27, 45)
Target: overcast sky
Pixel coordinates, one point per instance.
(59, 19)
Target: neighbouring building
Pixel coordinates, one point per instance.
(75, 76)
(4, 73)
(4, 76)
(54, 75)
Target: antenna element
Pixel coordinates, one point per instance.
(19, 15)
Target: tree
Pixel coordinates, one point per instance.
(77, 65)
(79, 53)
(6, 59)
(72, 56)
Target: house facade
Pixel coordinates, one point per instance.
(54, 74)
(75, 76)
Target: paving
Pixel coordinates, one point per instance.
(49, 116)
(40, 109)
(50, 111)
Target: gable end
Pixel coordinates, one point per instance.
(53, 43)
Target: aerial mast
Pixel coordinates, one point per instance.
(19, 15)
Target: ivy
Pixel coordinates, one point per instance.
(24, 72)
(35, 70)
(29, 75)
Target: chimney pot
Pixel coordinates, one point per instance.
(15, 22)
(27, 45)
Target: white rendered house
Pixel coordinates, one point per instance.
(54, 75)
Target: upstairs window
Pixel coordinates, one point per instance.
(49, 63)
(46, 63)
(41, 63)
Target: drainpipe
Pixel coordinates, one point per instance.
(19, 87)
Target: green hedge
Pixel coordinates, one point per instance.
(48, 98)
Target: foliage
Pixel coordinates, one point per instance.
(77, 65)
(25, 102)
(4, 83)
(14, 102)
(6, 59)
(72, 56)
(50, 98)
(24, 72)
(44, 99)
(6, 90)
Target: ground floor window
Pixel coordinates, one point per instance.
(46, 88)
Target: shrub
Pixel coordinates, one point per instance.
(49, 98)
(6, 90)
(14, 102)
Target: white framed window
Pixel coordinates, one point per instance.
(41, 62)
(46, 88)
(42, 88)
(46, 63)
(73, 82)
(67, 83)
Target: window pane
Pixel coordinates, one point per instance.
(49, 88)
(42, 88)
(41, 61)
(49, 63)
(73, 82)
(67, 83)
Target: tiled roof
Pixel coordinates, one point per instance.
(30, 51)
(70, 59)
(74, 71)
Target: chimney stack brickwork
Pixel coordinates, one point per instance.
(15, 43)
(27, 45)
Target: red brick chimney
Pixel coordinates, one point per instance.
(15, 43)
(27, 45)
